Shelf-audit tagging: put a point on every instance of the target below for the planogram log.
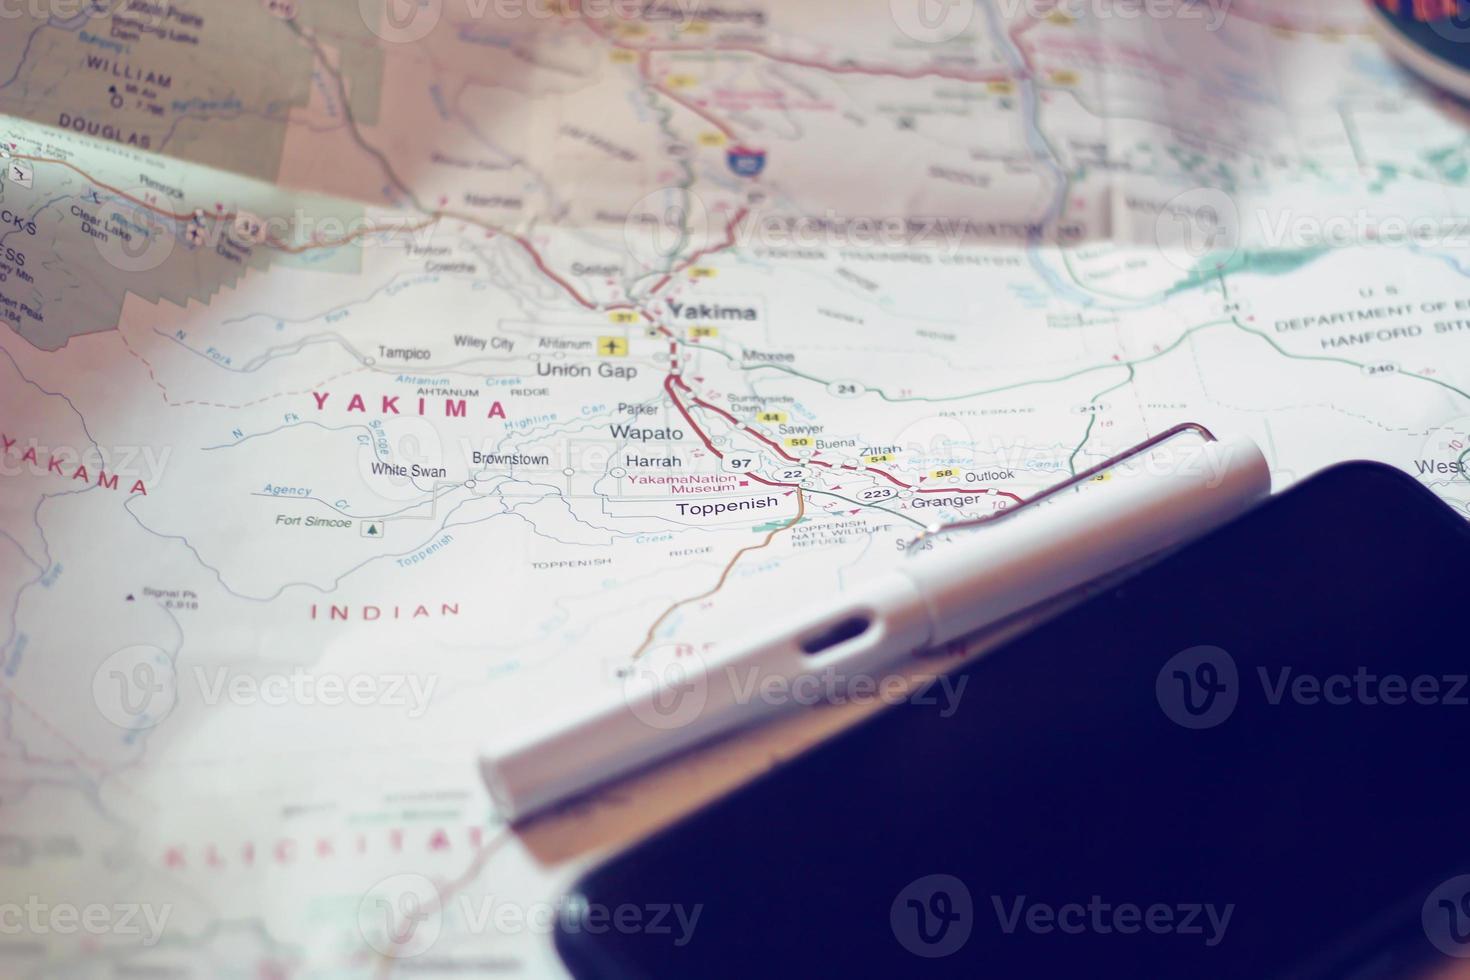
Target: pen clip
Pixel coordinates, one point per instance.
(936, 530)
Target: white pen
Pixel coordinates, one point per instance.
(1046, 546)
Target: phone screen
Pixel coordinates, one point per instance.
(1247, 760)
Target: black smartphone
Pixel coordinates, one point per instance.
(1247, 759)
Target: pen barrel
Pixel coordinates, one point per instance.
(965, 582)
(1160, 501)
(670, 704)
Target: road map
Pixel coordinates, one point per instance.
(373, 375)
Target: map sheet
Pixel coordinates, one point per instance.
(377, 376)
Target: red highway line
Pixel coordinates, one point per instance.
(669, 387)
(713, 408)
(891, 479)
(700, 111)
(768, 442)
(674, 379)
(881, 71)
(646, 71)
(669, 383)
(545, 269)
(729, 242)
